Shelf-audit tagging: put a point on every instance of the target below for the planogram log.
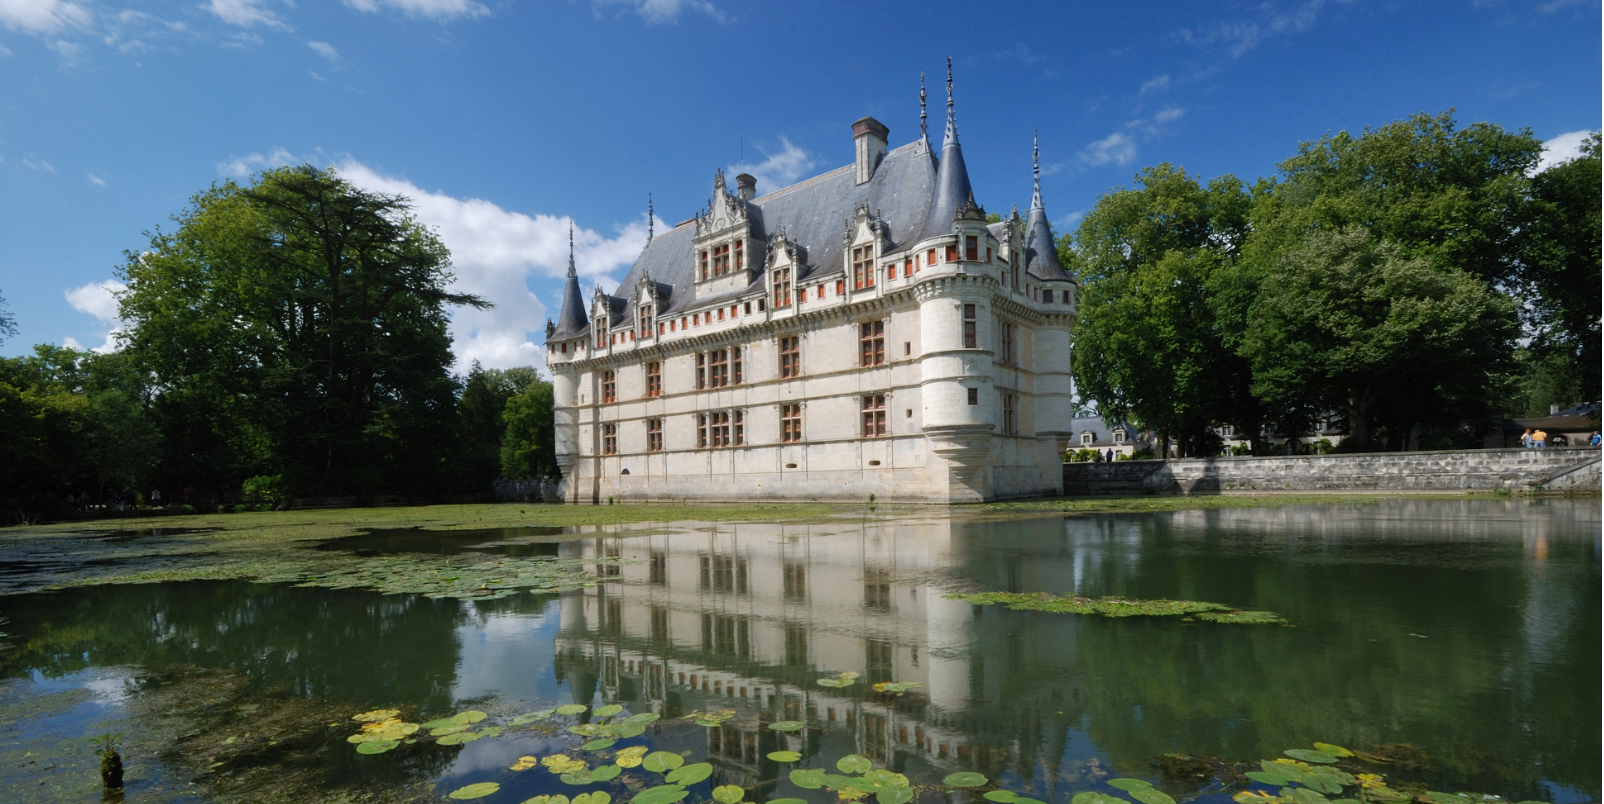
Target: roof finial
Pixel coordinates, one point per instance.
(924, 133)
(1035, 168)
(650, 220)
(571, 249)
(952, 120)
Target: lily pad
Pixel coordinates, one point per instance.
(557, 799)
(642, 719)
(376, 715)
(729, 794)
(1310, 755)
(376, 746)
(630, 757)
(785, 756)
(578, 777)
(1121, 607)
(596, 797)
(470, 716)
(1130, 785)
(608, 710)
(690, 774)
(628, 730)
(664, 794)
(459, 738)
(841, 680)
(1303, 795)
(787, 801)
(1334, 750)
(606, 773)
(1149, 795)
(852, 763)
(662, 761)
(1267, 778)
(893, 795)
(807, 779)
(437, 724)
(571, 709)
(477, 790)
(964, 779)
(1001, 796)
(896, 687)
(531, 717)
(598, 745)
(787, 725)
(1094, 797)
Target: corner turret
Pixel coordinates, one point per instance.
(952, 178)
(571, 319)
(1041, 253)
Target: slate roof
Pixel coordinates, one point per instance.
(571, 319)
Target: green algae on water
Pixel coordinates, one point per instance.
(1121, 607)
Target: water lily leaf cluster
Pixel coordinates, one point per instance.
(1121, 607)
(460, 578)
(1315, 776)
(896, 687)
(846, 679)
(710, 719)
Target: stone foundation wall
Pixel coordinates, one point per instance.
(1570, 469)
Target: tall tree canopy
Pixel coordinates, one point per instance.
(1561, 266)
(297, 326)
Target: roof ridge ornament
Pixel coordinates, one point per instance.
(1035, 169)
(924, 129)
(571, 271)
(952, 119)
(650, 218)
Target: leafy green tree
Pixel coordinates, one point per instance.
(529, 443)
(297, 326)
(479, 411)
(1149, 345)
(8, 322)
(1349, 322)
(1560, 266)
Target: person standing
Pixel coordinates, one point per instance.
(1595, 440)
(1540, 439)
(156, 498)
(1526, 438)
(1111, 455)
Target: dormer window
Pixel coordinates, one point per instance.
(721, 259)
(1086, 439)
(703, 263)
(863, 267)
(601, 330)
(645, 320)
(782, 286)
(1119, 436)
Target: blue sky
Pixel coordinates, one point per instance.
(506, 119)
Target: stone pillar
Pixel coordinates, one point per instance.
(565, 415)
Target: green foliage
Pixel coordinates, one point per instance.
(1560, 252)
(8, 322)
(298, 326)
(480, 408)
(529, 442)
(1120, 607)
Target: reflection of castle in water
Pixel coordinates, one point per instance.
(747, 617)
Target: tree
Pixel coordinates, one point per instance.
(479, 411)
(8, 322)
(529, 443)
(1398, 342)
(1149, 345)
(1560, 269)
(297, 326)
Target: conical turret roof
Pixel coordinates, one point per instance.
(1041, 253)
(571, 318)
(952, 177)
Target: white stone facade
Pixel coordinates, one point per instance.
(932, 369)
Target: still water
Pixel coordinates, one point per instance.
(1470, 629)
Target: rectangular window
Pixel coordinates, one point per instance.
(891, 272)
(1014, 270)
(701, 431)
(974, 396)
(790, 424)
(654, 435)
(718, 368)
(718, 429)
(790, 356)
(862, 267)
(1007, 352)
(873, 339)
(740, 256)
(645, 320)
(971, 248)
(930, 257)
(701, 370)
(821, 293)
(721, 260)
(654, 379)
(1010, 416)
(907, 267)
(782, 287)
(609, 387)
(952, 253)
(840, 287)
(970, 338)
(609, 439)
(735, 365)
(874, 416)
(739, 418)
(1047, 296)
(704, 265)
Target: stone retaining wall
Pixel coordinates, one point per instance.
(1570, 469)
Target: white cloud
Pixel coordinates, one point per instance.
(1117, 148)
(317, 77)
(1563, 148)
(1240, 37)
(438, 9)
(42, 16)
(244, 13)
(1156, 84)
(494, 254)
(98, 299)
(325, 50)
(246, 165)
(780, 169)
(662, 12)
(39, 164)
(96, 180)
(1169, 115)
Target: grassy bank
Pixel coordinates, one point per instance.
(277, 546)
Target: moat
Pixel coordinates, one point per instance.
(1458, 638)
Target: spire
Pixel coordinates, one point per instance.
(952, 119)
(924, 132)
(650, 219)
(1035, 170)
(1041, 253)
(952, 178)
(571, 318)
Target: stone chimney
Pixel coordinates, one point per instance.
(746, 186)
(869, 144)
